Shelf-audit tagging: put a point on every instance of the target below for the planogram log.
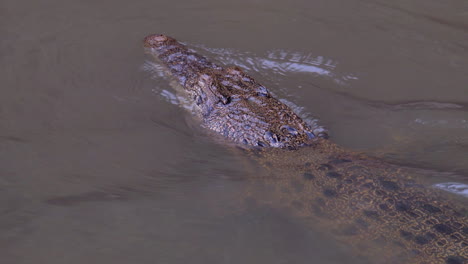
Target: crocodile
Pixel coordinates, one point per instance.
(363, 202)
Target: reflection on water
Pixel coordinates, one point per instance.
(456, 123)
(454, 187)
(280, 62)
(426, 105)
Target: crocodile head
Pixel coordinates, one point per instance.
(231, 102)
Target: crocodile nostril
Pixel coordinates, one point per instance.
(159, 37)
(154, 40)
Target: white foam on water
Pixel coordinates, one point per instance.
(306, 116)
(453, 187)
(155, 69)
(446, 123)
(169, 96)
(283, 62)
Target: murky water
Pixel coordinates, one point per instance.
(98, 166)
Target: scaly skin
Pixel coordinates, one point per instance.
(380, 210)
(377, 208)
(229, 101)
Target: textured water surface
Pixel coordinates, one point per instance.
(100, 164)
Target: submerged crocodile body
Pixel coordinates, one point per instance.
(362, 201)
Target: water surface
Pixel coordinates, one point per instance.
(97, 164)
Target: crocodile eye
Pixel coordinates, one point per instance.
(271, 137)
(198, 100)
(262, 144)
(225, 100)
(262, 91)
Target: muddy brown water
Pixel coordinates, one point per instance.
(99, 165)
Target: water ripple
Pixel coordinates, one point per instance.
(454, 187)
(282, 62)
(455, 123)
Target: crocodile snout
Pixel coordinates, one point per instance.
(155, 40)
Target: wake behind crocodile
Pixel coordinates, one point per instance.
(361, 201)
(281, 62)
